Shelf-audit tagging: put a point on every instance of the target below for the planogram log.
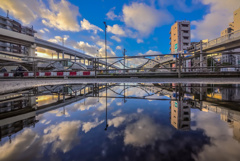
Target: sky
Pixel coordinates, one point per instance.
(139, 26)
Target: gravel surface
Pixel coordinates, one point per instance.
(8, 85)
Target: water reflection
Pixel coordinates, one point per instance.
(121, 122)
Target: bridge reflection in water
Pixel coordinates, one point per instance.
(20, 109)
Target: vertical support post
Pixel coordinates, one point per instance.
(106, 44)
(201, 57)
(62, 54)
(124, 50)
(106, 109)
(58, 55)
(75, 58)
(179, 65)
(95, 67)
(63, 97)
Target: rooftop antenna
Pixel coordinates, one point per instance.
(7, 13)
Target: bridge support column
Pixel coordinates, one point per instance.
(32, 50)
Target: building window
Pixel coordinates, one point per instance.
(184, 31)
(185, 44)
(186, 38)
(184, 25)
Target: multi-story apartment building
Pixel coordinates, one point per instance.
(180, 36)
(233, 26)
(236, 18)
(10, 24)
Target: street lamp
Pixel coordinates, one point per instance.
(105, 43)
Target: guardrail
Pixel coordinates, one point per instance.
(220, 40)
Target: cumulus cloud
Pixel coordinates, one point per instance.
(116, 112)
(116, 38)
(221, 137)
(144, 18)
(46, 29)
(111, 15)
(145, 132)
(118, 47)
(116, 29)
(63, 136)
(151, 52)
(85, 25)
(59, 39)
(220, 15)
(117, 121)
(26, 142)
(42, 31)
(139, 41)
(87, 126)
(19, 10)
(61, 15)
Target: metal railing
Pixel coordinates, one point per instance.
(220, 40)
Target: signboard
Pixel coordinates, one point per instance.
(176, 104)
(176, 47)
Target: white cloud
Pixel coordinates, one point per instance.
(46, 29)
(87, 126)
(63, 136)
(220, 15)
(116, 29)
(86, 47)
(60, 15)
(221, 136)
(59, 39)
(139, 41)
(116, 112)
(119, 48)
(145, 132)
(85, 25)
(151, 52)
(23, 143)
(144, 18)
(116, 38)
(42, 31)
(117, 121)
(21, 11)
(111, 15)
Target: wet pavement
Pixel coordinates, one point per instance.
(121, 121)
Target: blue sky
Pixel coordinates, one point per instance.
(139, 26)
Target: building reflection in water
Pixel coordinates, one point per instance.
(19, 109)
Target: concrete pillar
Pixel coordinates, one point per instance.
(32, 50)
(62, 54)
(75, 58)
(58, 55)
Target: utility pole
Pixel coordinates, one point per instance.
(106, 44)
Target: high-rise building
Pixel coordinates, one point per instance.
(233, 26)
(180, 36)
(236, 18)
